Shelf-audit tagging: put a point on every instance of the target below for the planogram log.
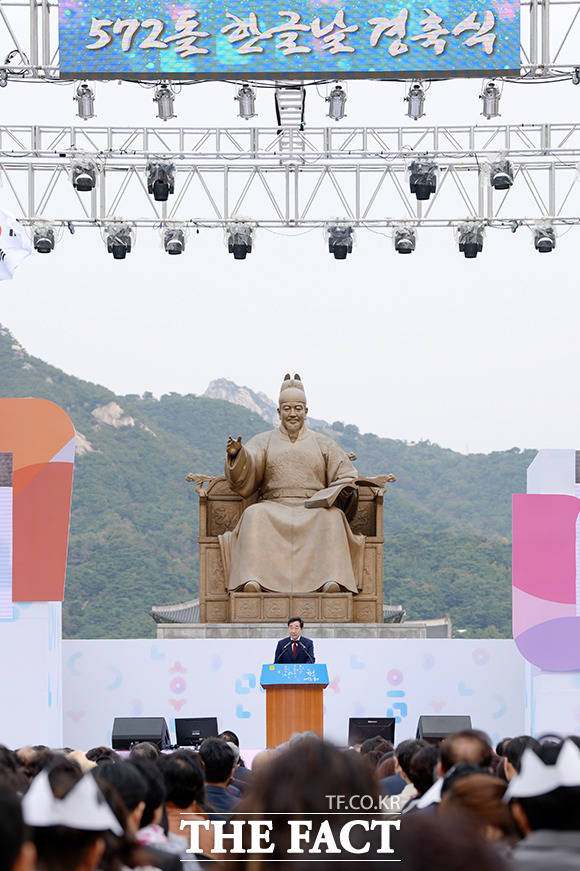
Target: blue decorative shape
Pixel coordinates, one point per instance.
(241, 713)
(502, 707)
(117, 679)
(156, 653)
(463, 689)
(356, 663)
(398, 711)
(250, 679)
(72, 662)
(396, 694)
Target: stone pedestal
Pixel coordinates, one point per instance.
(411, 629)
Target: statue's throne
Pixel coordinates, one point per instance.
(220, 508)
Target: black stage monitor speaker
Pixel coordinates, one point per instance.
(435, 728)
(361, 728)
(131, 730)
(190, 731)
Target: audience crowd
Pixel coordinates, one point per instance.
(459, 804)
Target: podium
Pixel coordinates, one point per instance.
(293, 699)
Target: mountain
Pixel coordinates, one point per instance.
(259, 403)
(134, 519)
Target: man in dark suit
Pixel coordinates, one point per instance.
(295, 647)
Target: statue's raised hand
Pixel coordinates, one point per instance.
(234, 446)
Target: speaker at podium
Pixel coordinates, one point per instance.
(293, 699)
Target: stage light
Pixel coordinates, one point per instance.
(491, 96)
(4, 77)
(415, 100)
(43, 238)
(85, 100)
(336, 103)
(174, 240)
(164, 98)
(340, 239)
(160, 179)
(576, 76)
(119, 240)
(405, 239)
(423, 178)
(501, 175)
(246, 98)
(544, 238)
(470, 238)
(84, 175)
(240, 239)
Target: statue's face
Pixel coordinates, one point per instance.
(292, 413)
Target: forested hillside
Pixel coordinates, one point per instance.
(134, 518)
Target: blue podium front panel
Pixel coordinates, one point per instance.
(294, 673)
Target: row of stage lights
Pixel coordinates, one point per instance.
(246, 99)
(422, 176)
(119, 238)
(422, 173)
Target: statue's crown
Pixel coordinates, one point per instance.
(537, 778)
(292, 384)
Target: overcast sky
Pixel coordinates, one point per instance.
(475, 355)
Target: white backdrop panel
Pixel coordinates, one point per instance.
(368, 677)
(30, 675)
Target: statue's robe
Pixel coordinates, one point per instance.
(278, 542)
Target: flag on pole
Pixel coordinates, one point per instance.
(14, 245)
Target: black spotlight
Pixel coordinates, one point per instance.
(470, 239)
(160, 180)
(174, 241)
(119, 241)
(340, 238)
(43, 240)
(544, 239)
(84, 176)
(239, 240)
(423, 178)
(405, 240)
(501, 175)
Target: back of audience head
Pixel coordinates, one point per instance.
(513, 750)
(60, 847)
(16, 853)
(184, 779)
(218, 759)
(449, 842)
(557, 810)
(228, 735)
(480, 796)
(102, 755)
(422, 768)
(130, 785)
(404, 752)
(144, 750)
(468, 745)
(11, 770)
(386, 766)
(155, 794)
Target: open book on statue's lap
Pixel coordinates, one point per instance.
(327, 497)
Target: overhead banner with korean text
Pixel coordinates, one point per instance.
(264, 39)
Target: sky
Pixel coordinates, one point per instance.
(476, 355)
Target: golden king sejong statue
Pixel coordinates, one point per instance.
(297, 538)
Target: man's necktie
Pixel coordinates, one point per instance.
(294, 645)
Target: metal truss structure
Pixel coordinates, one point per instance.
(550, 41)
(294, 178)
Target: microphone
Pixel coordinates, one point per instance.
(282, 651)
(306, 651)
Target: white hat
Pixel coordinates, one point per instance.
(537, 778)
(84, 807)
